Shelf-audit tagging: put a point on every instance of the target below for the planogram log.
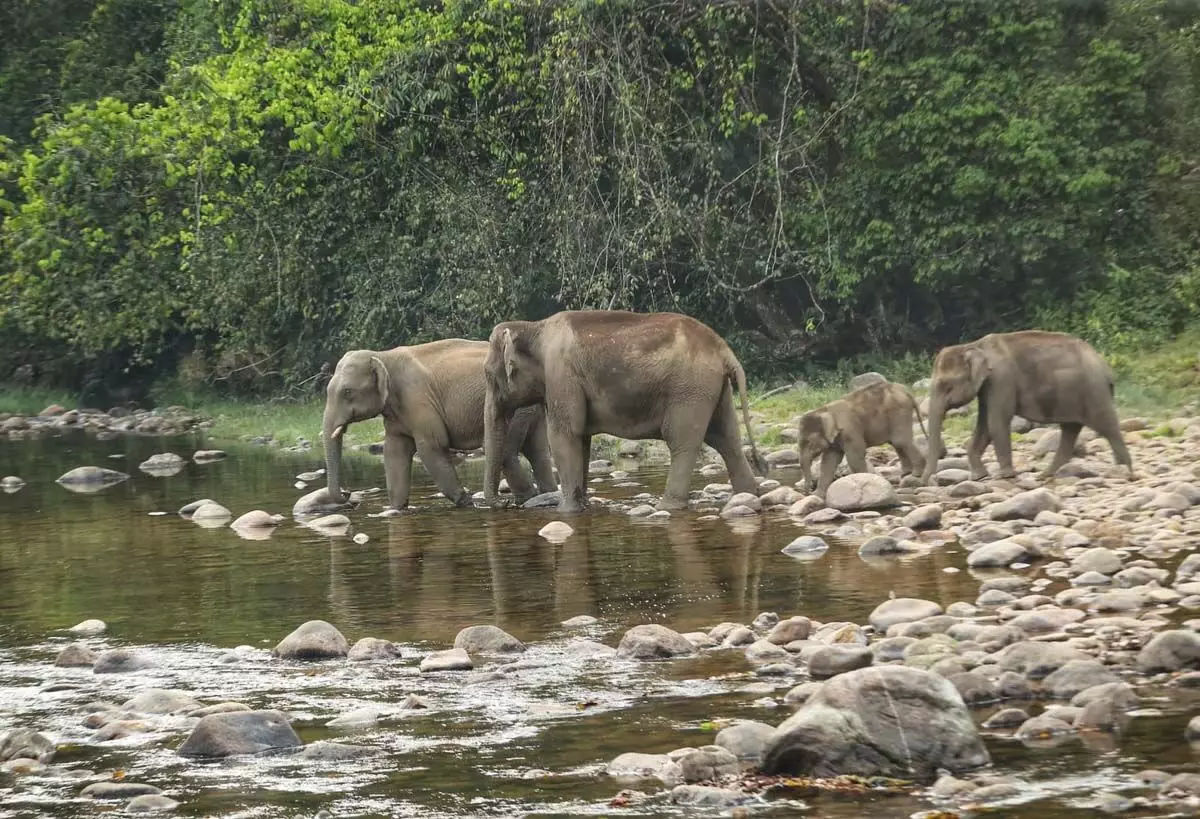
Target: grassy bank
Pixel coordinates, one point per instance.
(1157, 384)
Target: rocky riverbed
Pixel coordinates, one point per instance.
(1063, 629)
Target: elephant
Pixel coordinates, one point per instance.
(431, 397)
(880, 413)
(633, 375)
(1042, 376)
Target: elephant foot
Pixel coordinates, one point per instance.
(671, 505)
(979, 474)
(566, 508)
(1007, 474)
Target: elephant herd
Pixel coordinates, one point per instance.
(542, 389)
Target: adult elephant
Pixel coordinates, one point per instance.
(648, 375)
(1041, 376)
(431, 397)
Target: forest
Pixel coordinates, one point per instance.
(234, 192)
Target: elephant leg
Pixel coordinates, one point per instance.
(999, 427)
(398, 452)
(830, 459)
(437, 462)
(725, 436)
(518, 478)
(1068, 435)
(906, 463)
(1109, 426)
(912, 462)
(572, 468)
(980, 439)
(536, 449)
(856, 454)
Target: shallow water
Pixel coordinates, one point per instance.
(528, 742)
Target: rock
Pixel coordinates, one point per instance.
(188, 509)
(330, 524)
(487, 640)
(150, 803)
(24, 743)
(556, 531)
(161, 701)
(162, 462)
(256, 519)
(580, 621)
(1006, 718)
(706, 796)
(1185, 783)
(323, 751)
(830, 661)
(1170, 651)
(1097, 559)
(645, 766)
(928, 516)
(653, 642)
(589, 649)
(117, 790)
(789, 630)
(1045, 621)
(91, 475)
(219, 708)
(801, 693)
(888, 721)
(358, 718)
(780, 495)
(764, 651)
(974, 688)
(865, 380)
(214, 512)
(902, 610)
(951, 787)
(545, 500)
(204, 456)
(859, 491)
(745, 740)
(999, 553)
(765, 620)
(121, 661)
(11, 484)
(119, 729)
(372, 648)
(881, 545)
(75, 655)
(806, 545)
(1120, 693)
(1192, 732)
(314, 640)
(1042, 727)
(22, 766)
(317, 502)
(454, 659)
(706, 764)
(1037, 660)
(239, 732)
(1025, 505)
(1075, 677)
(746, 499)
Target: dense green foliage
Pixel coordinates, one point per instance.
(245, 188)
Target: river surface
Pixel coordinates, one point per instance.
(530, 741)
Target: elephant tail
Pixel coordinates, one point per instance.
(738, 375)
(921, 422)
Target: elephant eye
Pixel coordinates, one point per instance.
(347, 393)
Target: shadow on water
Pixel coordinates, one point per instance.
(527, 739)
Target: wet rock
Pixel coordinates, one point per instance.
(1170, 651)
(995, 792)
(830, 661)
(237, 733)
(1119, 692)
(928, 516)
(89, 628)
(1192, 732)
(780, 495)
(24, 743)
(120, 728)
(974, 688)
(219, 708)
(117, 790)
(706, 764)
(745, 740)
(358, 718)
(589, 649)
(121, 661)
(91, 476)
(162, 462)
(1183, 783)
(75, 655)
(580, 621)
(317, 502)
(902, 610)
(1091, 579)
(1037, 660)
(790, 630)
(322, 751)
(256, 519)
(706, 796)
(1045, 621)
(162, 701)
(744, 499)
(888, 721)
(454, 659)
(840, 634)
(372, 648)
(329, 524)
(1075, 677)
(1042, 727)
(1025, 505)
(188, 509)
(653, 642)
(413, 702)
(765, 620)
(314, 640)
(891, 649)
(150, 803)
(999, 553)
(951, 787)
(881, 545)
(211, 512)
(204, 456)
(1006, 718)
(556, 531)
(801, 693)
(764, 651)
(545, 500)
(859, 491)
(1097, 559)
(22, 766)
(806, 545)
(646, 766)
(487, 640)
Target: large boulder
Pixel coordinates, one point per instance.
(314, 640)
(653, 642)
(888, 720)
(372, 648)
(1170, 651)
(902, 610)
(93, 475)
(745, 740)
(860, 491)
(487, 640)
(239, 732)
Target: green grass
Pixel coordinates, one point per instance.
(32, 400)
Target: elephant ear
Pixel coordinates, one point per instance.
(382, 377)
(510, 353)
(979, 367)
(829, 427)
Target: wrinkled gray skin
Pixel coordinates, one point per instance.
(1044, 377)
(655, 375)
(431, 397)
(880, 413)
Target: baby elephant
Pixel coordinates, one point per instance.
(877, 414)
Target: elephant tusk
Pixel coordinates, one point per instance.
(337, 431)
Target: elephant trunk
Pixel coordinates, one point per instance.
(333, 431)
(495, 433)
(806, 468)
(937, 409)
